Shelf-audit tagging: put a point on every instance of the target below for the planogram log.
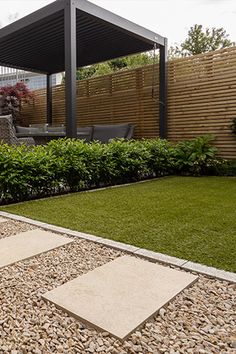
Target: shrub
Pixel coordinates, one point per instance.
(71, 169)
(161, 156)
(129, 161)
(26, 172)
(227, 168)
(195, 156)
(71, 165)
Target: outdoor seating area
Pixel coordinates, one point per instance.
(113, 35)
(39, 134)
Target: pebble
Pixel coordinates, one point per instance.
(13, 227)
(162, 312)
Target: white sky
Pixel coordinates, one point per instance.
(169, 18)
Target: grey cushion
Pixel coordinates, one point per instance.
(30, 130)
(85, 133)
(56, 129)
(104, 132)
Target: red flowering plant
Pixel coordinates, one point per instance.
(11, 99)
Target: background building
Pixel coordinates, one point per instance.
(34, 81)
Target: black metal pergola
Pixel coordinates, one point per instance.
(68, 34)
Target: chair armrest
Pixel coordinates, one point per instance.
(130, 133)
(26, 141)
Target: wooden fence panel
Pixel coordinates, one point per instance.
(201, 100)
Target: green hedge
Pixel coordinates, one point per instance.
(71, 165)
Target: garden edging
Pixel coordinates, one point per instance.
(150, 255)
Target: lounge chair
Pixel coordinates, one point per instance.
(8, 133)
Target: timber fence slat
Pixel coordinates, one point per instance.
(201, 100)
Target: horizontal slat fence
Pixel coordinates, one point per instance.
(201, 100)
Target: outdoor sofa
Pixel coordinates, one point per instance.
(105, 133)
(41, 134)
(100, 132)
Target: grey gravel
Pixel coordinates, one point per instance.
(199, 320)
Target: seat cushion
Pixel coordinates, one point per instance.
(85, 133)
(23, 130)
(56, 129)
(104, 133)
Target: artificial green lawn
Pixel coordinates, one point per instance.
(187, 217)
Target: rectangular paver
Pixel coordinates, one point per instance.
(120, 295)
(28, 244)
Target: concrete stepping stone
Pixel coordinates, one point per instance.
(2, 220)
(121, 295)
(28, 244)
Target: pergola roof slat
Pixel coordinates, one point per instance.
(32, 18)
(119, 21)
(42, 34)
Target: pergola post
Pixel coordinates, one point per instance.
(49, 98)
(70, 68)
(163, 90)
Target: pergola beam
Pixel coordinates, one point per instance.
(17, 67)
(163, 90)
(49, 98)
(70, 67)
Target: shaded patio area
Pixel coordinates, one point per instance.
(69, 34)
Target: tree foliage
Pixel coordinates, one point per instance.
(11, 98)
(111, 66)
(201, 41)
